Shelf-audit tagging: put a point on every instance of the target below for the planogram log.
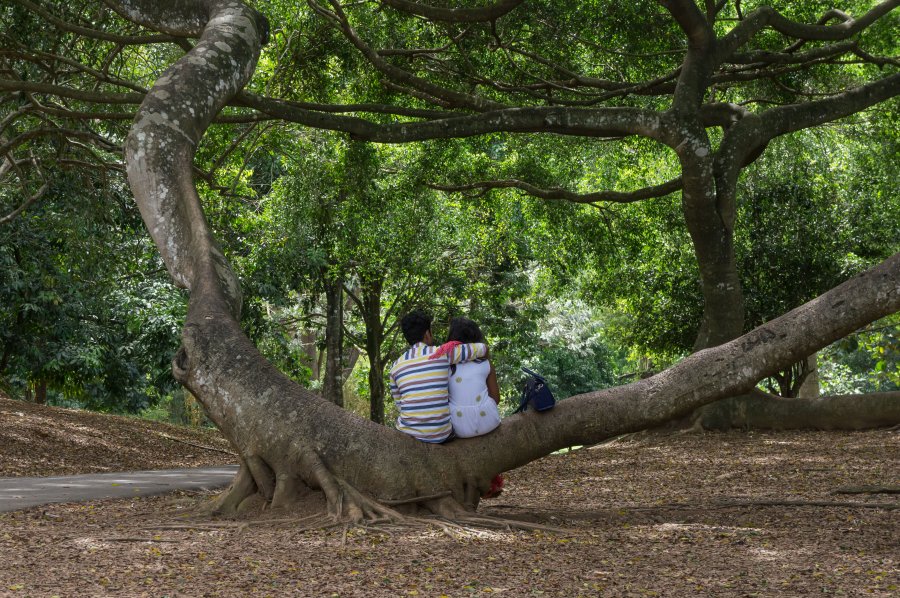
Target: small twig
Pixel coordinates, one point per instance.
(768, 503)
(136, 540)
(867, 490)
(415, 499)
(200, 446)
(202, 526)
(515, 524)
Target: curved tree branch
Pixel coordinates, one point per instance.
(564, 194)
(766, 16)
(127, 40)
(455, 15)
(160, 148)
(30, 198)
(398, 75)
(592, 122)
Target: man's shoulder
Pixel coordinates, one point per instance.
(408, 355)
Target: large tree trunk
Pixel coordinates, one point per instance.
(291, 440)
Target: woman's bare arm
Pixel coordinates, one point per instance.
(492, 386)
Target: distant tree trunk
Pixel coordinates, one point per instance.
(810, 387)
(371, 307)
(353, 353)
(333, 385)
(310, 344)
(40, 392)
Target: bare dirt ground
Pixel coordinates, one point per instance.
(724, 514)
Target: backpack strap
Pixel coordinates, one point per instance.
(523, 401)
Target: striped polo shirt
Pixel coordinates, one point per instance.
(420, 389)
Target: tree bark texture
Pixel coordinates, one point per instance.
(763, 411)
(371, 308)
(333, 384)
(291, 440)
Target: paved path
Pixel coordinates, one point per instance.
(21, 493)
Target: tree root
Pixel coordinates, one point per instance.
(867, 490)
(242, 488)
(416, 499)
(199, 446)
(256, 483)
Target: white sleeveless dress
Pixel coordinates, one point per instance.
(472, 411)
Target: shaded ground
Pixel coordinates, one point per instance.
(46, 441)
(726, 514)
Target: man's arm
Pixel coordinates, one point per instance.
(395, 390)
(467, 352)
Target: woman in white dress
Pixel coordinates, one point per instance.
(474, 393)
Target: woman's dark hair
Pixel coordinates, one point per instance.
(464, 330)
(414, 326)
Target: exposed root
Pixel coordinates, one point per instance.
(263, 476)
(289, 489)
(257, 485)
(416, 499)
(241, 488)
(867, 490)
(363, 508)
(512, 524)
(448, 508)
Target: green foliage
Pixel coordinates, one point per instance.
(575, 356)
(83, 307)
(867, 361)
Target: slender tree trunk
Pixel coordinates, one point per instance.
(333, 385)
(309, 342)
(40, 392)
(810, 387)
(353, 354)
(371, 298)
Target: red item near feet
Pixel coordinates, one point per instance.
(496, 488)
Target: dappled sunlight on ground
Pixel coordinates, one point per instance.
(647, 515)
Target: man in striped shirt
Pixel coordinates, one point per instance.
(419, 385)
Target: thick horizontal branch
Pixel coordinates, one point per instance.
(455, 15)
(768, 17)
(345, 108)
(555, 193)
(794, 57)
(706, 376)
(589, 122)
(95, 97)
(787, 119)
(127, 40)
(396, 74)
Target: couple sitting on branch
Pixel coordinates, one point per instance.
(447, 391)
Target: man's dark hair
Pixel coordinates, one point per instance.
(464, 330)
(414, 326)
